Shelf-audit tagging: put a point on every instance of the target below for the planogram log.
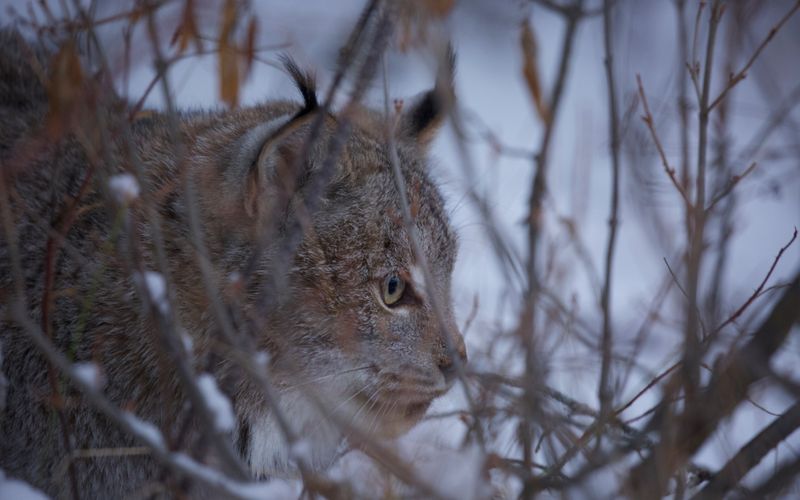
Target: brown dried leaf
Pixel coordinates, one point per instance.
(228, 75)
(133, 16)
(250, 45)
(531, 71)
(438, 8)
(64, 88)
(187, 30)
(228, 64)
(414, 20)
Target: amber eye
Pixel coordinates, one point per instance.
(393, 288)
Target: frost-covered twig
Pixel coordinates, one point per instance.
(143, 431)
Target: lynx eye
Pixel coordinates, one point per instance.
(393, 289)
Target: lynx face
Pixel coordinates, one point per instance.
(361, 334)
(384, 333)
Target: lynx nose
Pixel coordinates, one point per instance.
(447, 364)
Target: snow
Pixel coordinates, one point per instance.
(124, 188)
(301, 451)
(217, 403)
(418, 279)
(3, 391)
(89, 374)
(18, 490)
(261, 358)
(188, 343)
(278, 489)
(3, 382)
(435, 453)
(157, 289)
(455, 473)
(145, 430)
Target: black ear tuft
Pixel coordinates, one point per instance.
(425, 114)
(447, 70)
(306, 84)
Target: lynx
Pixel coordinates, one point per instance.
(127, 232)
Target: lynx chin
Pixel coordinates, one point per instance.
(156, 251)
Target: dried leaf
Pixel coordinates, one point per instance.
(250, 45)
(438, 8)
(228, 64)
(187, 30)
(414, 20)
(64, 88)
(133, 16)
(531, 71)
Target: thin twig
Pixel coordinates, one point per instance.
(132, 426)
(604, 391)
(695, 234)
(646, 388)
(419, 251)
(683, 97)
(742, 73)
(733, 317)
(683, 292)
(694, 64)
(219, 439)
(648, 120)
(712, 335)
(729, 384)
(777, 482)
(536, 222)
(732, 184)
(570, 10)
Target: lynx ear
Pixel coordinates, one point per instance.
(424, 115)
(267, 153)
(271, 150)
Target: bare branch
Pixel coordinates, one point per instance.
(728, 387)
(178, 462)
(742, 73)
(751, 454)
(732, 184)
(604, 389)
(648, 120)
(733, 317)
(780, 480)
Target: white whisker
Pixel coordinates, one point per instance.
(369, 401)
(323, 377)
(350, 398)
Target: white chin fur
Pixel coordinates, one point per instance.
(268, 454)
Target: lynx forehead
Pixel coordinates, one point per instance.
(300, 203)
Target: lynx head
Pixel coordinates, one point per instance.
(355, 321)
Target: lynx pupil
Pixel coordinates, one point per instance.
(393, 289)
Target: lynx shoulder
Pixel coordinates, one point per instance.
(164, 244)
